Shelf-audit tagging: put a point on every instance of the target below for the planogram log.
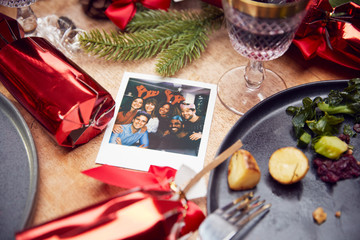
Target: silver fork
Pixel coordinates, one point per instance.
(225, 222)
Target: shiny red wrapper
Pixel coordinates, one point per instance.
(156, 179)
(133, 215)
(120, 12)
(151, 208)
(69, 103)
(331, 33)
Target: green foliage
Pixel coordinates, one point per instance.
(326, 125)
(323, 116)
(177, 38)
(335, 3)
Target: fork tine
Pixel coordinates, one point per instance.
(243, 197)
(240, 208)
(234, 203)
(224, 223)
(264, 208)
(246, 209)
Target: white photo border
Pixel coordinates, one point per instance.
(139, 158)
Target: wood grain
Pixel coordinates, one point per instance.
(62, 188)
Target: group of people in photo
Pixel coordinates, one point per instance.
(147, 123)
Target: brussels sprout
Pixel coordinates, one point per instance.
(330, 146)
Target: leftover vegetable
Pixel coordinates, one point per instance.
(243, 171)
(288, 165)
(332, 171)
(323, 116)
(330, 147)
(319, 215)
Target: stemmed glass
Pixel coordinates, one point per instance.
(25, 15)
(60, 31)
(260, 30)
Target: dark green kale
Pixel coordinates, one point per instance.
(323, 117)
(343, 102)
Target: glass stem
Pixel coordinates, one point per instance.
(27, 19)
(254, 74)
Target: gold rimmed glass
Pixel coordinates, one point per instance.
(260, 31)
(25, 15)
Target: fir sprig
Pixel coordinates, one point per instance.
(177, 37)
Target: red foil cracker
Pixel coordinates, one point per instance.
(331, 33)
(133, 215)
(69, 103)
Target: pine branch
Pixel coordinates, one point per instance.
(152, 19)
(183, 52)
(177, 37)
(129, 46)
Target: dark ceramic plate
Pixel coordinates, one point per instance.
(263, 130)
(18, 171)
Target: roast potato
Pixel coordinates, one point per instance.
(288, 165)
(243, 171)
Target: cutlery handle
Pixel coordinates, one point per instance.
(216, 162)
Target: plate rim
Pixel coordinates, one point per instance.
(27, 138)
(227, 137)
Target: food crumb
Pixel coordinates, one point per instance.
(338, 214)
(319, 215)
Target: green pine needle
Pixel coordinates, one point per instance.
(177, 37)
(188, 48)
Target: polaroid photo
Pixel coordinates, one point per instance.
(159, 121)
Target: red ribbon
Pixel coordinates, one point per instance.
(331, 33)
(120, 12)
(157, 178)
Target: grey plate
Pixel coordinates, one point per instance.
(18, 171)
(264, 129)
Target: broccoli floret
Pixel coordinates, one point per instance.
(345, 109)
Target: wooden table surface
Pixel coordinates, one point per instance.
(62, 188)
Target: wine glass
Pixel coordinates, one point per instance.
(25, 15)
(260, 30)
(59, 31)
